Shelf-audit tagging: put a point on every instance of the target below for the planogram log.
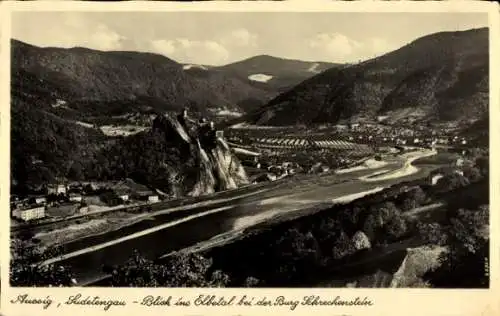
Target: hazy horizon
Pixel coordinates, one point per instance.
(220, 38)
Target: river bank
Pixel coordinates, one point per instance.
(215, 223)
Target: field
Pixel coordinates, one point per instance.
(62, 210)
(122, 130)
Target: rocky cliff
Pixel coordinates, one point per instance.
(214, 166)
(417, 262)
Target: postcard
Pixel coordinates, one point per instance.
(249, 158)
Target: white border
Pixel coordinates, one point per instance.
(387, 301)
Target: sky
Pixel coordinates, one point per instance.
(218, 38)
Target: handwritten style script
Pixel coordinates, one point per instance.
(200, 300)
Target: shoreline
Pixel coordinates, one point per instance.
(266, 216)
(146, 216)
(406, 170)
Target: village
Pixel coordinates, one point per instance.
(266, 155)
(63, 199)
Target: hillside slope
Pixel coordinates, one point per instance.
(273, 73)
(59, 96)
(440, 77)
(97, 78)
(169, 158)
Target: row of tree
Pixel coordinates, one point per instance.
(304, 250)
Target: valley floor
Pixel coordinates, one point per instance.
(296, 197)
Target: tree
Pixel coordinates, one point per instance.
(181, 270)
(25, 269)
(251, 282)
(483, 164)
(110, 198)
(432, 233)
(451, 182)
(396, 228)
(295, 254)
(353, 218)
(76, 171)
(472, 173)
(413, 199)
(343, 246)
(468, 243)
(378, 217)
(469, 229)
(37, 275)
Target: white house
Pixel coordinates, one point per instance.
(459, 162)
(29, 213)
(75, 197)
(40, 200)
(124, 197)
(56, 189)
(153, 198)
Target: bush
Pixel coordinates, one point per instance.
(432, 233)
(110, 198)
(468, 242)
(251, 282)
(413, 199)
(473, 174)
(396, 228)
(181, 270)
(451, 182)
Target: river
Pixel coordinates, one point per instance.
(186, 228)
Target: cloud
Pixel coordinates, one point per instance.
(164, 47)
(215, 51)
(103, 38)
(334, 44)
(240, 37)
(191, 51)
(341, 48)
(68, 30)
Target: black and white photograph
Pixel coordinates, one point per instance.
(217, 149)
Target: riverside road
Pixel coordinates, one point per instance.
(166, 231)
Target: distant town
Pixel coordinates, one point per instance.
(270, 155)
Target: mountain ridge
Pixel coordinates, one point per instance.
(91, 75)
(448, 62)
(284, 72)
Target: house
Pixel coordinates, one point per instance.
(324, 168)
(123, 196)
(73, 197)
(132, 189)
(56, 189)
(459, 172)
(29, 213)
(40, 200)
(153, 199)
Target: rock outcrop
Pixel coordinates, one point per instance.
(417, 262)
(216, 167)
(361, 241)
